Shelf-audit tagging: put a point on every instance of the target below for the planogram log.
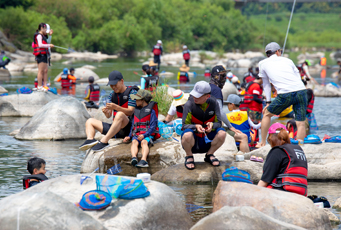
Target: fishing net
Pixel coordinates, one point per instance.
(165, 131)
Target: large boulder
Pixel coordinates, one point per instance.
(327, 91)
(337, 203)
(83, 74)
(88, 56)
(24, 105)
(4, 73)
(284, 206)
(60, 119)
(241, 218)
(56, 197)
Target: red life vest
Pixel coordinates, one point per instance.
(179, 111)
(151, 82)
(207, 73)
(122, 99)
(183, 77)
(310, 105)
(36, 50)
(186, 55)
(248, 79)
(36, 82)
(301, 70)
(26, 179)
(201, 117)
(66, 82)
(94, 92)
(157, 50)
(248, 97)
(142, 120)
(294, 178)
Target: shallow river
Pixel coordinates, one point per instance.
(64, 158)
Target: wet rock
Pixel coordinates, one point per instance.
(284, 206)
(24, 105)
(241, 218)
(3, 90)
(161, 210)
(327, 91)
(337, 204)
(243, 63)
(102, 81)
(60, 119)
(15, 67)
(83, 74)
(43, 209)
(332, 217)
(4, 73)
(89, 67)
(88, 56)
(228, 89)
(14, 132)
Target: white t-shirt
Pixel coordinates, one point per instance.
(282, 73)
(172, 110)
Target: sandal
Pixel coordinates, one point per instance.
(259, 159)
(253, 158)
(208, 160)
(189, 162)
(133, 161)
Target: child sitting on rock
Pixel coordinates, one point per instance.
(144, 126)
(36, 167)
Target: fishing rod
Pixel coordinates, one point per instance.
(68, 49)
(286, 36)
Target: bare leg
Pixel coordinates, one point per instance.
(243, 142)
(41, 69)
(266, 121)
(91, 126)
(218, 141)
(300, 130)
(145, 149)
(120, 121)
(45, 75)
(134, 148)
(187, 142)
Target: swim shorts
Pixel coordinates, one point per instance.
(121, 134)
(41, 58)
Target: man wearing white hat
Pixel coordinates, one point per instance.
(177, 107)
(186, 54)
(286, 78)
(201, 124)
(157, 51)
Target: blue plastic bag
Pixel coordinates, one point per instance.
(312, 123)
(177, 126)
(310, 139)
(120, 187)
(237, 175)
(165, 131)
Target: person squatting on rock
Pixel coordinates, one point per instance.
(217, 82)
(240, 121)
(157, 51)
(36, 167)
(201, 118)
(285, 77)
(286, 166)
(92, 91)
(186, 54)
(4, 60)
(41, 51)
(144, 127)
(177, 106)
(121, 106)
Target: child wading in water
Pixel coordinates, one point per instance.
(144, 126)
(36, 167)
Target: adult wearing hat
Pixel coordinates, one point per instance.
(121, 106)
(186, 54)
(92, 91)
(177, 106)
(157, 51)
(183, 74)
(201, 123)
(286, 78)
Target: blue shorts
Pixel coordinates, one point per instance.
(148, 139)
(200, 146)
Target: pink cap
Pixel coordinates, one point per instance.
(276, 126)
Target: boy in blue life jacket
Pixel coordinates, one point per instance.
(144, 127)
(36, 167)
(239, 119)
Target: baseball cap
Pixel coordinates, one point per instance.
(47, 28)
(159, 41)
(234, 99)
(91, 79)
(141, 94)
(218, 69)
(235, 79)
(272, 46)
(184, 47)
(114, 77)
(229, 75)
(276, 126)
(200, 88)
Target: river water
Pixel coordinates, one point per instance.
(64, 158)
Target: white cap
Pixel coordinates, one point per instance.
(47, 28)
(229, 75)
(272, 46)
(235, 79)
(200, 88)
(159, 41)
(184, 47)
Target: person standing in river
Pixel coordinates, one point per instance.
(157, 51)
(286, 78)
(42, 53)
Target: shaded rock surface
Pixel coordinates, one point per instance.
(284, 206)
(337, 204)
(24, 105)
(4, 73)
(60, 119)
(83, 74)
(332, 217)
(240, 218)
(161, 210)
(3, 90)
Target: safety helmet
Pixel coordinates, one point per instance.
(65, 70)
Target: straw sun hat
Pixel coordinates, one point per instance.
(180, 98)
(184, 68)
